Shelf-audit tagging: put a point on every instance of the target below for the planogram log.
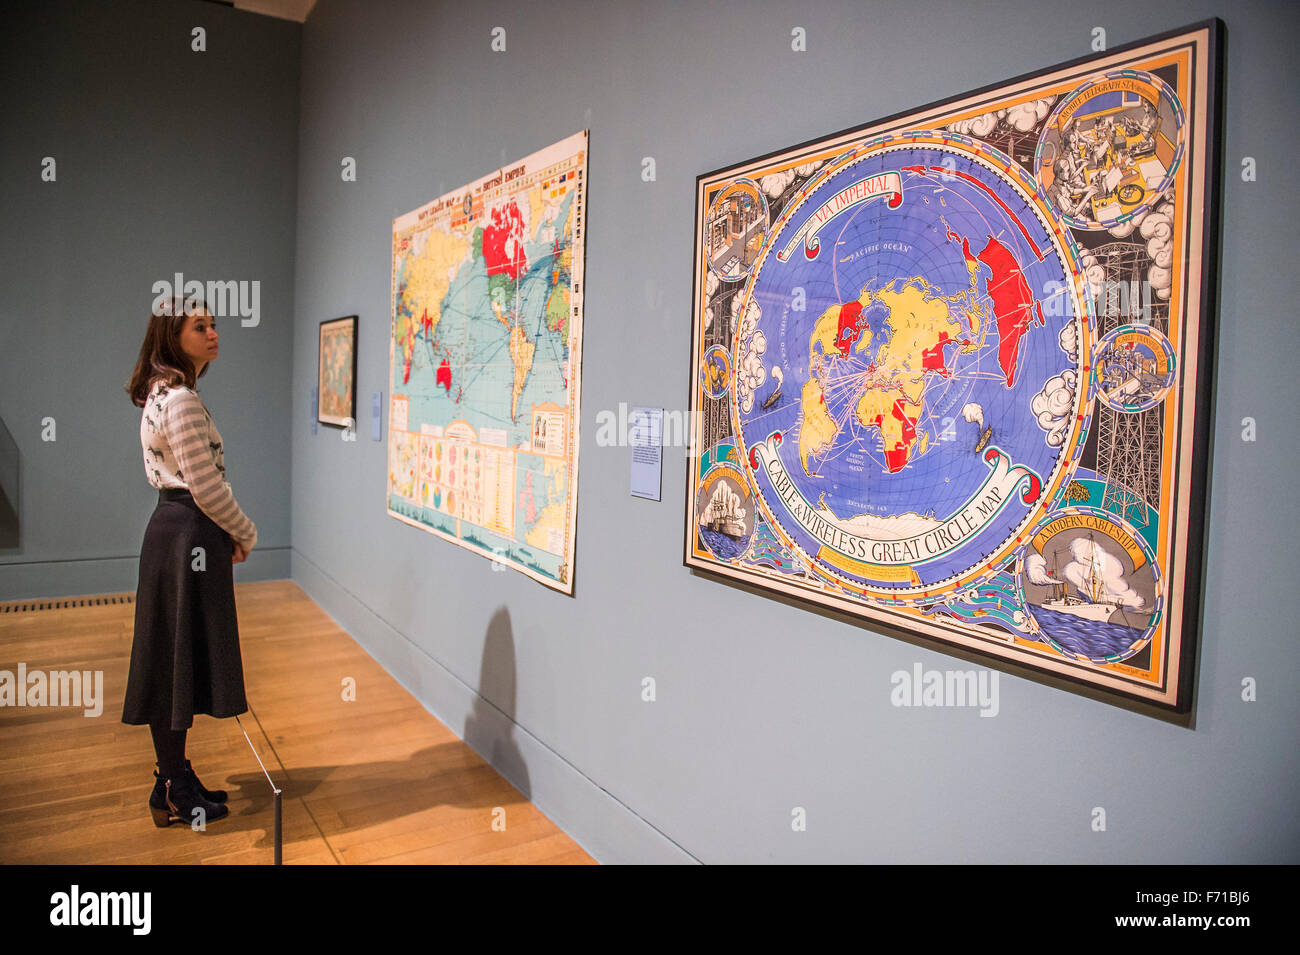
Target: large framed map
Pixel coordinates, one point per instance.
(485, 363)
(951, 371)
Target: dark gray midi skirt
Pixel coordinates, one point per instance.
(185, 654)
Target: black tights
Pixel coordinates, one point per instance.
(169, 745)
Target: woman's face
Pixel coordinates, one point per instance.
(199, 338)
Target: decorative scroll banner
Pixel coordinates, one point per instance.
(1092, 523)
(886, 185)
(1122, 84)
(983, 506)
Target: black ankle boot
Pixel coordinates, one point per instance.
(174, 800)
(211, 795)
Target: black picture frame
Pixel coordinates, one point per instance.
(334, 333)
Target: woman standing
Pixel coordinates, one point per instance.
(185, 654)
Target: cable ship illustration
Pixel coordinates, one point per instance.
(726, 516)
(1091, 602)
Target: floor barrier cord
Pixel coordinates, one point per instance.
(275, 790)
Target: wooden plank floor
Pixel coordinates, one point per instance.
(378, 780)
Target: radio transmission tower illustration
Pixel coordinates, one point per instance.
(1128, 450)
(717, 413)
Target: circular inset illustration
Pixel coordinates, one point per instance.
(1091, 585)
(931, 403)
(1110, 149)
(715, 371)
(736, 225)
(724, 513)
(1135, 368)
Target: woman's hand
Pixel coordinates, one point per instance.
(240, 553)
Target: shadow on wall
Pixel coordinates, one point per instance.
(489, 729)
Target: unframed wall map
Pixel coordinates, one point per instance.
(485, 360)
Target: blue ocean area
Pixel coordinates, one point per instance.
(1091, 638)
(477, 345)
(928, 242)
(723, 545)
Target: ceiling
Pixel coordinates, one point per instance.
(283, 9)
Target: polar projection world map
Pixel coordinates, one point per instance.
(948, 370)
(485, 360)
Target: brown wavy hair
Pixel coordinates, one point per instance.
(161, 355)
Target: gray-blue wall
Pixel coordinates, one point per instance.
(762, 706)
(167, 160)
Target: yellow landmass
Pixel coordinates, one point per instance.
(977, 315)
(521, 353)
(916, 320)
(879, 403)
(550, 518)
(974, 308)
(817, 430)
(917, 316)
(864, 340)
(824, 332)
(429, 275)
(565, 261)
(536, 208)
(916, 323)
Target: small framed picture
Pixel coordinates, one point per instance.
(336, 373)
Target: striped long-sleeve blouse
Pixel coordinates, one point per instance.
(182, 448)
